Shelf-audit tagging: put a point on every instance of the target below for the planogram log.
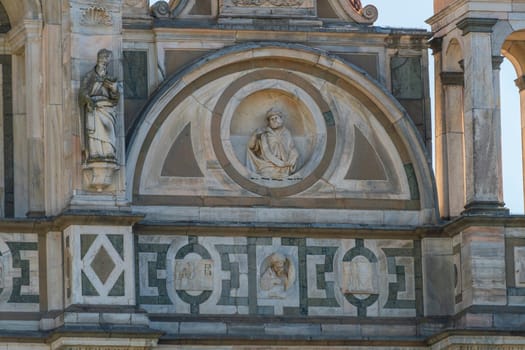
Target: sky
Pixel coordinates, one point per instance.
(391, 14)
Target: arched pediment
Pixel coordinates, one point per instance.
(356, 148)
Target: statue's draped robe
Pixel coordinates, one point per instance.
(273, 154)
(100, 122)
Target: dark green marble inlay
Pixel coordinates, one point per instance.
(160, 251)
(119, 288)
(24, 266)
(302, 279)
(412, 181)
(88, 289)
(400, 285)
(86, 241)
(233, 268)
(135, 66)
(118, 244)
(321, 271)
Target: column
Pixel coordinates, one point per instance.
(520, 83)
(34, 110)
(483, 185)
(452, 139)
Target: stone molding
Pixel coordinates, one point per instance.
(452, 78)
(476, 25)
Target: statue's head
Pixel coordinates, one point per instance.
(274, 118)
(104, 56)
(278, 264)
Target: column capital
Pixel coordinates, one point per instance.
(520, 83)
(476, 25)
(497, 61)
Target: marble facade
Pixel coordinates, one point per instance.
(339, 237)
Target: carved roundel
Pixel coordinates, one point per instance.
(266, 158)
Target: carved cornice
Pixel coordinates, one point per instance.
(476, 25)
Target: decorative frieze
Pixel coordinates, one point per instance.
(263, 3)
(265, 8)
(278, 276)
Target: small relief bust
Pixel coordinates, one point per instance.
(99, 96)
(271, 150)
(277, 275)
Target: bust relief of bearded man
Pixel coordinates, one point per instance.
(271, 150)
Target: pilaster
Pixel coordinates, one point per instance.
(34, 110)
(484, 187)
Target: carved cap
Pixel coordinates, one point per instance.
(104, 53)
(274, 111)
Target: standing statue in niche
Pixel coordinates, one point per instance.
(271, 150)
(99, 96)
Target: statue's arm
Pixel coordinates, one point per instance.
(84, 92)
(253, 142)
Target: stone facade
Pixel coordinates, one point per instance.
(255, 174)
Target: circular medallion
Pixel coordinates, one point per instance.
(273, 133)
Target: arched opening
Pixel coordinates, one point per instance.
(512, 111)
(511, 140)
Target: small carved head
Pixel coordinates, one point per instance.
(279, 264)
(275, 118)
(104, 56)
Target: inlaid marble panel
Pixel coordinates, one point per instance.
(19, 272)
(278, 276)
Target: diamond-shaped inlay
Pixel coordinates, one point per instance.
(103, 264)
